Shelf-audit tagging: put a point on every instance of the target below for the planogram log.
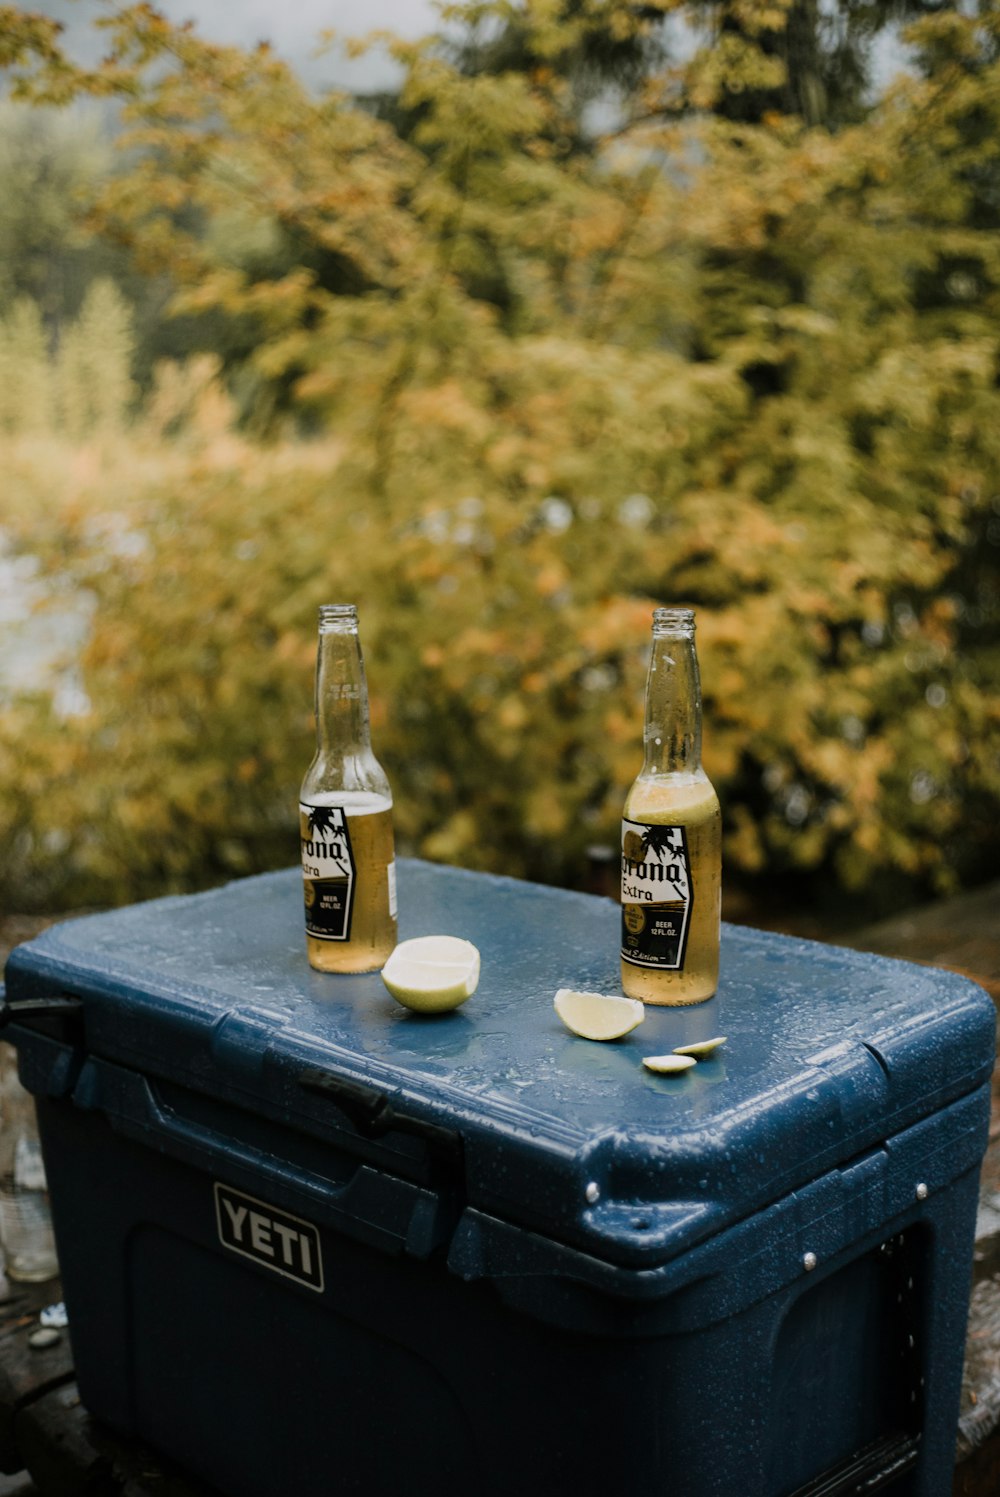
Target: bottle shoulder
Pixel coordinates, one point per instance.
(331, 782)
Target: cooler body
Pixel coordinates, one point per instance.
(312, 1243)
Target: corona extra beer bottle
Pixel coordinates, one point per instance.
(671, 835)
(345, 814)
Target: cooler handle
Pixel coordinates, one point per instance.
(48, 1034)
(392, 1213)
(58, 1015)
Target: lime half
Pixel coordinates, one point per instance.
(432, 974)
(597, 1016)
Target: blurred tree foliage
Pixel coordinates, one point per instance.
(47, 161)
(736, 347)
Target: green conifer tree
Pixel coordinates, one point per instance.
(94, 377)
(27, 398)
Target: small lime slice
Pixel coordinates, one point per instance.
(432, 974)
(667, 1065)
(597, 1016)
(700, 1049)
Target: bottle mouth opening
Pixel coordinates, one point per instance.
(338, 616)
(673, 621)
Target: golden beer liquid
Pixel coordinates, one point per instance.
(695, 806)
(373, 929)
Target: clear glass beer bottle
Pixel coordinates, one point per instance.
(25, 1222)
(671, 835)
(345, 814)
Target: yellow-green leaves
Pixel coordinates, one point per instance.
(522, 369)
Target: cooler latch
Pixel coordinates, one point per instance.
(373, 1115)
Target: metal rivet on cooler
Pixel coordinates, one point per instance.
(593, 1192)
(922, 1192)
(809, 1261)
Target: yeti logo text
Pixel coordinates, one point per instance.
(270, 1237)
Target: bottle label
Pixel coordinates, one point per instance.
(657, 895)
(328, 871)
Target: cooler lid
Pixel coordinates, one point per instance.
(828, 1051)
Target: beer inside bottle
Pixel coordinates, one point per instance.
(349, 880)
(671, 853)
(345, 815)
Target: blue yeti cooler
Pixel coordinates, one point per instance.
(313, 1243)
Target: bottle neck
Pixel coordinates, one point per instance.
(342, 725)
(672, 733)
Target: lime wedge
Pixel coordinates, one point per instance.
(666, 1065)
(700, 1049)
(432, 974)
(594, 1016)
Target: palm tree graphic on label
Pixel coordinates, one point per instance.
(666, 844)
(663, 841)
(328, 820)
